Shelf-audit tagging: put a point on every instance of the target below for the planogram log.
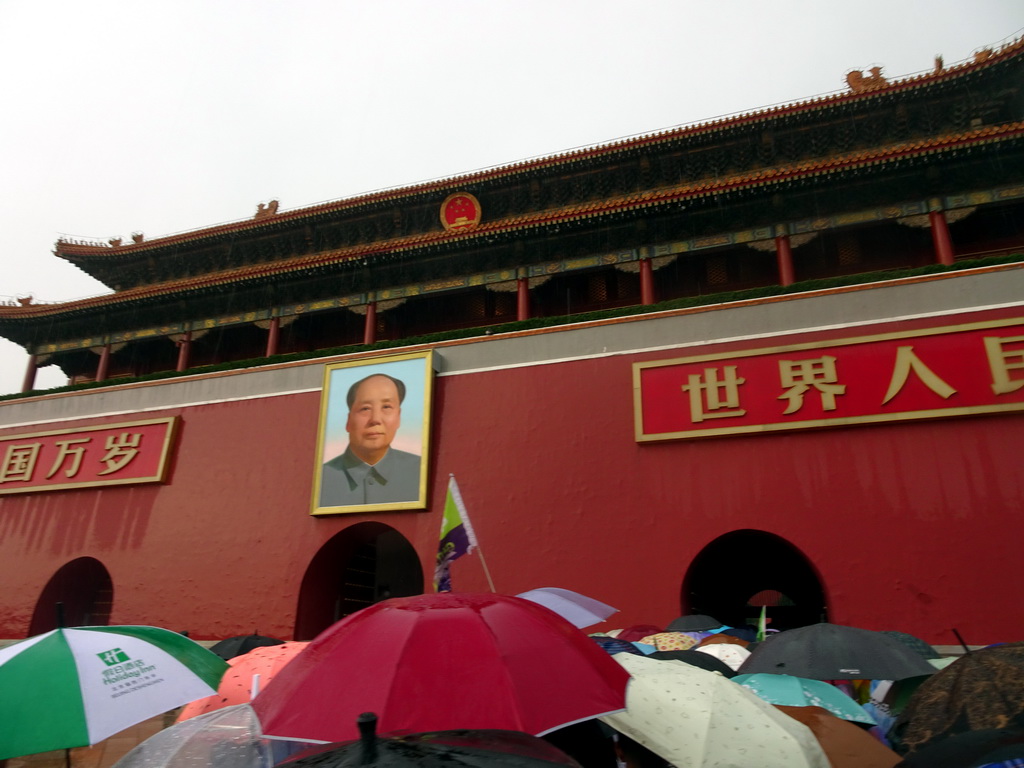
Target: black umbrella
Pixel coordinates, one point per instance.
(697, 659)
(914, 643)
(835, 652)
(969, 750)
(240, 644)
(440, 749)
(694, 622)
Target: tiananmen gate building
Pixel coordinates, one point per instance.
(775, 359)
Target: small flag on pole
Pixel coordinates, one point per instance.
(457, 537)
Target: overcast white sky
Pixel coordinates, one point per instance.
(124, 116)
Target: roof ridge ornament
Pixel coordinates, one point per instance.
(264, 211)
(859, 83)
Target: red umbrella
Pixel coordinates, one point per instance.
(441, 662)
(236, 685)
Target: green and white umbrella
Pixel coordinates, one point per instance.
(75, 687)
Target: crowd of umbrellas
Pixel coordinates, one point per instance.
(465, 679)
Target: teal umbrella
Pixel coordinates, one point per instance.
(75, 687)
(791, 691)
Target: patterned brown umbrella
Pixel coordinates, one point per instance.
(980, 690)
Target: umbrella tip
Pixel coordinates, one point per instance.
(367, 724)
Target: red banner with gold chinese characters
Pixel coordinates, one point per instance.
(940, 372)
(111, 454)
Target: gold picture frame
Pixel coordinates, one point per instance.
(373, 437)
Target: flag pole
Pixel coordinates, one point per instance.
(487, 572)
(456, 496)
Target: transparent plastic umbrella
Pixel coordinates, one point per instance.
(226, 738)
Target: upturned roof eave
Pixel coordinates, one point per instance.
(652, 199)
(81, 253)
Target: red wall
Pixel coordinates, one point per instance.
(911, 526)
(904, 522)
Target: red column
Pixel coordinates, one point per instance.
(940, 237)
(523, 298)
(184, 351)
(784, 259)
(646, 282)
(29, 382)
(104, 364)
(273, 334)
(370, 330)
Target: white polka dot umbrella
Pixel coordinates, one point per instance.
(693, 717)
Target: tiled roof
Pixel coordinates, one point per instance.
(626, 203)
(80, 252)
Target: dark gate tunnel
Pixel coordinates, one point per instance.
(80, 593)
(741, 565)
(360, 566)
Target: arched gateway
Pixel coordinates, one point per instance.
(737, 573)
(359, 566)
(84, 591)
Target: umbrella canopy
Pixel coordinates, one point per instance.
(803, 692)
(240, 644)
(974, 749)
(696, 622)
(74, 687)
(896, 696)
(744, 635)
(579, 610)
(845, 744)
(697, 659)
(227, 738)
(728, 653)
(836, 652)
(981, 690)
(693, 717)
(672, 641)
(614, 645)
(442, 749)
(635, 632)
(914, 643)
(443, 661)
(724, 638)
(237, 684)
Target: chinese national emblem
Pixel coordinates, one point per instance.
(460, 211)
